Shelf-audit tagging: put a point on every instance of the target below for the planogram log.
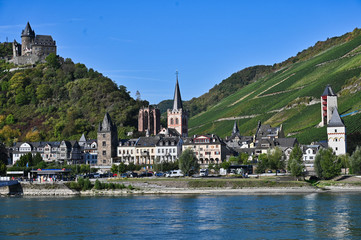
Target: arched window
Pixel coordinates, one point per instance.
(171, 121)
(176, 121)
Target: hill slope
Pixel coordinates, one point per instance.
(290, 94)
(60, 100)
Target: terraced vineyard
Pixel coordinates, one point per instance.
(290, 96)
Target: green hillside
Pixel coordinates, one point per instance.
(60, 100)
(290, 94)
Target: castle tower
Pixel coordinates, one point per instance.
(149, 119)
(178, 117)
(27, 38)
(328, 103)
(336, 133)
(107, 141)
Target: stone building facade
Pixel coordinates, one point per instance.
(33, 48)
(107, 139)
(149, 119)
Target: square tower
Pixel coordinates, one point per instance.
(328, 103)
(178, 117)
(107, 141)
(336, 134)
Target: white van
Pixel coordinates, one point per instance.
(175, 173)
(203, 172)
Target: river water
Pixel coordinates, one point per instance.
(296, 216)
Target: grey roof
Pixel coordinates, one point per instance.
(167, 141)
(106, 125)
(177, 102)
(28, 31)
(336, 120)
(44, 40)
(328, 91)
(285, 142)
(82, 138)
(147, 141)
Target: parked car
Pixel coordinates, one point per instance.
(96, 175)
(124, 175)
(146, 174)
(176, 173)
(269, 171)
(160, 174)
(203, 172)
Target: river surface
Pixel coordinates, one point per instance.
(296, 216)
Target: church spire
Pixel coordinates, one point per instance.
(235, 127)
(177, 102)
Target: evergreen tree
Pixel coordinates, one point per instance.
(188, 162)
(355, 161)
(326, 164)
(295, 162)
(276, 159)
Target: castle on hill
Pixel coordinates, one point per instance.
(33, 48)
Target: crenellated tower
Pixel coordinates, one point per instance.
(336, 133)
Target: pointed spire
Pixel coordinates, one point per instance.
(328, 91)
(336, 120)
(106, 124)
(235, 128)
(177, 102)
(28, 31)
(82, 138)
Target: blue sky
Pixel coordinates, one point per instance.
(140, 44)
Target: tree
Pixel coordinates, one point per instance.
(262, 163)
(37, 159)
(188, 162)
(3, 159)
(326, 164)
(355, 161)
(244, 158)
(25, 160)
(275, 159)
(52, 61)
(295, 163)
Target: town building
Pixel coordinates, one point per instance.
(177, 116)
(309, 156)
(107, 141)
(209, 149)
(168, 149)
(328, 103)
(149, 119)
(126, 151)
(336, 133)
(33, 48)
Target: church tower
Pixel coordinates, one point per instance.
(178, 117)
(336, 133)
(107, 141)
(27, 38)
(328, 103)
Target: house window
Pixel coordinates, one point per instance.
(171, 121)
(336, 148)
(104, 143)
(176, 121)
(104, 161)
(104, 153)
(103, 135)
(335, 130)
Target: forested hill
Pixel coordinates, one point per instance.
(290, 94)
(60, 100)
